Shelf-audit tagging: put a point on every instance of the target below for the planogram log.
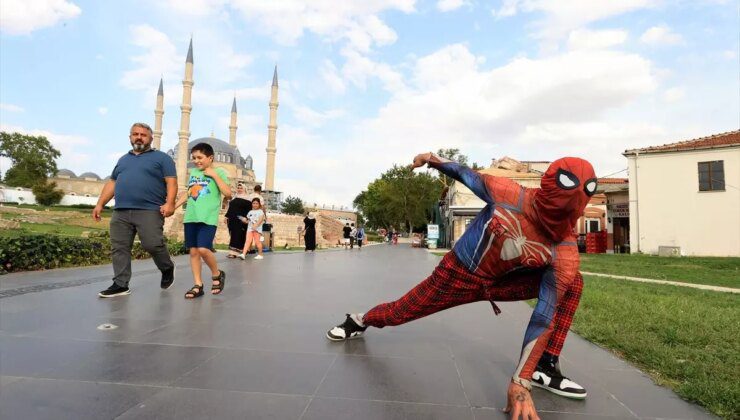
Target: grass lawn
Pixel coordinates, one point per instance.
(685, 339)
(714, 271)
(39, 228)
(57, 208)
(719, 271)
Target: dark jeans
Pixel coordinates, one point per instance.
(124, 225)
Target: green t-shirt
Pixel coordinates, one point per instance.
(204, 197)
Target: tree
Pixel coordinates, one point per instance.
(33, 159)
(293, 205)
(451, 154)
(400, 197)
(47, 194)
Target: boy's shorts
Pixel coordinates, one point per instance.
(199, 235)
(345, 241)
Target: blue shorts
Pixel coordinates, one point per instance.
(199, 235)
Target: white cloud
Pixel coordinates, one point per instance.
(330, 75)
(359, 68)
(586, 39)
(450, 5)
(195, 7)
(102, 110)
(11, 108)
(674, 94)
(526, 108)
(356, 26)
(729, 54)
(661, 35)
(73, 148)
(508, 8)
(563, 16)
(159, 59)
(313, 118)
(99, 56)
(20, 17)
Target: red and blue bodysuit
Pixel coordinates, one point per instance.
(520, 246)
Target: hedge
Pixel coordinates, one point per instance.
(46, 251)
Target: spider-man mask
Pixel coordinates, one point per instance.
(564, 192)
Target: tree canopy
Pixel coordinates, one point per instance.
(33, 159)
(47, 194)
(292, 205)
(400, 198)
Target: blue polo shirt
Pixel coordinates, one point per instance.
(140, 181)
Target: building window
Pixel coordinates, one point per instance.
(593, 225)
(712, 176)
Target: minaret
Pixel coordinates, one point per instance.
(184, 133)
(158, 112)
(232, 126)
(271, 131)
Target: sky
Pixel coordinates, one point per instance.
(365, 84)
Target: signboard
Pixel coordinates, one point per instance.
(433, 231)
(619, 210)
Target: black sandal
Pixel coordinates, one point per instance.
(194, 292)
(221, 279)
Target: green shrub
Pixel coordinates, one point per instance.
(39, 252)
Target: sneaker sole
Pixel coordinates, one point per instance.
(127, 292)
(343, 339)
(174, 272)
(565, 394)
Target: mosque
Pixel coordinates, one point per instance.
(226, 154)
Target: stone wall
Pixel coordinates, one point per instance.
(284, 228)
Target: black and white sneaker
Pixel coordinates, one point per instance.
(168, 277)
(114, 290)
(547, 376)
(348, 330)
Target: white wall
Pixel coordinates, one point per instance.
(25, 196)
(667, 208)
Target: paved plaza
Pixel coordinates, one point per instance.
(258, 351)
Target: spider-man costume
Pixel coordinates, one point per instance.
(522, 245)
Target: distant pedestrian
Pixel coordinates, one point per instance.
(360, 236)
(309, 232)
(256, 219)
(239, 206)
(346, 230)
(206, 186)
(144, 183)
(352, 236)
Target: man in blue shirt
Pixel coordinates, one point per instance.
(144, 183)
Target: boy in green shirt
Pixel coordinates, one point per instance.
(206, 187)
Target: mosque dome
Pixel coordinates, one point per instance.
(66, 173)
(223, 151)
(90, 175)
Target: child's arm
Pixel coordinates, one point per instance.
(260, 220)
(180, 201)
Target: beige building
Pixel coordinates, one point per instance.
(684, 198)
(87, 184)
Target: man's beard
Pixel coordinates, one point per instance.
(140, 147)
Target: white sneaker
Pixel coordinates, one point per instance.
(242, 257)
(259, 257)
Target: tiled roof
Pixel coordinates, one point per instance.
(613, 181)
(506, 173)
(731, 138)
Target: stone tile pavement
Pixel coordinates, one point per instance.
(258, 351)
